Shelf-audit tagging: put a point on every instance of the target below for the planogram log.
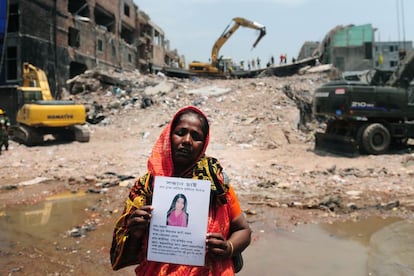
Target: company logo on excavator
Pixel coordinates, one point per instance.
(60, 116)
(361, 105)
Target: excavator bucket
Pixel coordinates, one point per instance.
(337, 144)
(261, 35)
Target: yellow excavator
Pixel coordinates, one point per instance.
(38, 114)
(216, 67)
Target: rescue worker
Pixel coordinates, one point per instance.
(4, 130)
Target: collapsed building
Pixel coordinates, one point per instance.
(66, 38)
(354, 48)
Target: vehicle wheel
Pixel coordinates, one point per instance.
(358, 137)
(376, 139)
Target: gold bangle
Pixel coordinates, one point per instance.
(231, 247)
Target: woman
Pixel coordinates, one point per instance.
(177, 214)
(180, 152)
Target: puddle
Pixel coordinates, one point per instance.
(45, 220)
(342, 248)
(31, 241)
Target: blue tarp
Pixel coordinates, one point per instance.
(3, 29)
(3, 16)
(3, 19)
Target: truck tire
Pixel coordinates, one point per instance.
(359, 139)
(376, 139)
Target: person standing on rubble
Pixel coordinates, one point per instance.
(4, 130)
(180, 152)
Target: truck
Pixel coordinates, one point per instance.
(368, 114)
(216, 67)
(34, 113)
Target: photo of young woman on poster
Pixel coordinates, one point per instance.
(177, 214)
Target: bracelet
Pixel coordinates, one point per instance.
(231, 247)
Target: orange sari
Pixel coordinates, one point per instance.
(224, 206)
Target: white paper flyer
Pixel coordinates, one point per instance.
(178, 225)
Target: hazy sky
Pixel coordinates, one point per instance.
(192, 26)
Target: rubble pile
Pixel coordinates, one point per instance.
(262, 132)
(265, 122)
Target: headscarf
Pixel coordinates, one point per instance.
(160, 162)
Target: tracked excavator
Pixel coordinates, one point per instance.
(367, 115)
(35, 113)
(216, 67)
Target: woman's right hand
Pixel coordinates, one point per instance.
(138, 221)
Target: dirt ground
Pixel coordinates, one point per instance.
(273, 165)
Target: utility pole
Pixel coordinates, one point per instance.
(400, 9)
(403, 21)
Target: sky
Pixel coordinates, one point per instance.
(193, 26)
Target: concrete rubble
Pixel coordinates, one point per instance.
(262, 131)
(276, 112)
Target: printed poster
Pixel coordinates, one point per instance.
(178, 225)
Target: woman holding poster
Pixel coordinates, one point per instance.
(180, 152)
(177, 214)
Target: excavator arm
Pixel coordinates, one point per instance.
(229, 31)
(36, 77)
(404, 73)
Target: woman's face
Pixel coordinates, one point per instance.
(187, 141)
(179, 204)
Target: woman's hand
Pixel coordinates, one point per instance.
(138, 221)
(217, 246)
(239, 239)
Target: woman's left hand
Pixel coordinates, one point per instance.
(216, 245)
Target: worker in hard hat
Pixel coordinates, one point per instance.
(4, 130)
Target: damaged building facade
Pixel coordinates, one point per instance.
(349, 48)
(67, 37)
(353, 48)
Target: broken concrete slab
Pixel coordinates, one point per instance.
(162, 87)
(209, 91)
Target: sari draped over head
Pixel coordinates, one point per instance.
(160, 161)
(220, 214)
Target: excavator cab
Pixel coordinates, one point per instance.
(30, 96)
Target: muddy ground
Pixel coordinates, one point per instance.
(273, 165)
